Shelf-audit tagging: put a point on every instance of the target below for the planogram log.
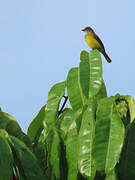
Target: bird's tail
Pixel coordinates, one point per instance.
(107, 57)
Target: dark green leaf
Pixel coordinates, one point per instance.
(8, 123)
(27, 163)
(40, 152)
(6, 158)
(127, 160)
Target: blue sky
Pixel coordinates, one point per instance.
(40, 40)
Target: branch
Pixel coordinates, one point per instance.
(60, 111)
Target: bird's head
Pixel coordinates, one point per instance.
(88, 29)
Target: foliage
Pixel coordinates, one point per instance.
(91, 140)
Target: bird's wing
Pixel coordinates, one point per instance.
(99, 40)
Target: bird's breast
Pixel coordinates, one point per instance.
(91, 41)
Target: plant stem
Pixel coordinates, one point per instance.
(62, 107)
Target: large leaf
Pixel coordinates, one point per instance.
(36, 125)
(90, 73)
(27, 163)
(65, 116)
(109, 135)
(86, 135)
(48, 141)
(70, 137)
(54, 98)
(72, 151)
(127, 160)
(73, 89)
(6, 158)
(8, 123)
(53, 146)
(55, 154)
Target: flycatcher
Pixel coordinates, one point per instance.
(94, 42)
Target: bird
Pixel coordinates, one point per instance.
(94, 42)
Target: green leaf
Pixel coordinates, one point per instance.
(40, 152)
(54, 98)
(86, 135)
(48, 140)
(127, 160)
(63, 162)
(66, 120)
(72, 150)
(26, 161)
(36, 126)
(126, 108)
(8, 123)
(109, 135)
(112, 175)
(55, 154)
(79, 114)
(131, 105)
(54, 146)
(90, 71)
(101, 94)
(122, 108)
(6, 158)
(69, 135)
(73, 89)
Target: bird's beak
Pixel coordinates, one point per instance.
(83, 29)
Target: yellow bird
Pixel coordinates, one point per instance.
(94, 42)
